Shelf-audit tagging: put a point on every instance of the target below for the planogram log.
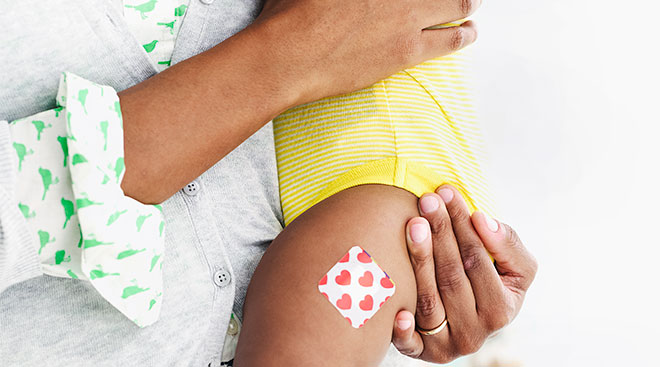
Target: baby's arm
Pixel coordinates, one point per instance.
(288, 322)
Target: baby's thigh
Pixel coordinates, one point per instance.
(287, 321)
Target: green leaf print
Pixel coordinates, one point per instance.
(144, 7)
(98, 273)
(26, 211)
(82, 97)
(69, 210)
(68, 124)
(44, 239)
(140, 221)
(59, 257)
(40, 126)
(80, 239)
(78, 158)
(169, 25)
(154, 261)
(93, 243)
(22, 152)
(84, 202)
(118, 168)
(65, 147)
(115, 216)
(72, 274)
(118, 109)
(150, 46)
(47, 180)
(127, 253)
(104, 130)
(180, 11)
(132, 290)
(58, 110)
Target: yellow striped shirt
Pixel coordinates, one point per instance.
(415, 130)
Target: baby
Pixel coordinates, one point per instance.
(350, 169)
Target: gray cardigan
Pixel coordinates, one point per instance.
(208, 262)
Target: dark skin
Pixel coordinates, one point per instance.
(283, 290)
(288, 322)
(295, 52)
(229, 92)
(457, 280)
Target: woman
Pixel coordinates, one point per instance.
(229, 82)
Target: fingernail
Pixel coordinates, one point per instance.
(428, 204)
(418, 232)
(446, 195)
(403, 324)
(492, 223)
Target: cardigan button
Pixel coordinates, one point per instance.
(233, 327)
(221, 278)
(207, 2)
(192, 188)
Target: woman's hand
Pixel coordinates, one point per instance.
(457, 281)
(296, 51)
(333, 47)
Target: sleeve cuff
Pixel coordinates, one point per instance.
(18, 246)
(67, 168)
(122, 239)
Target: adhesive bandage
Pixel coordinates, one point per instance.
(356, 286)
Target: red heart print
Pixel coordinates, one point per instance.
(386, 283)
(344, 278)
(364, 257)
(367, 280)
(382, 303)
(324, 280)
(345, 258)
(344, 303)
(326, 296)
(367, 304)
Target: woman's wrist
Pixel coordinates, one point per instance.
(227, 93)
(260, 70)
(274, 60)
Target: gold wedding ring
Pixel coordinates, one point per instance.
(457, 23)
(434, 330)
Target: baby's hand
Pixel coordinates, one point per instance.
(457, 281)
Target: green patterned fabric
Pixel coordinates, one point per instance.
(74, 156)
(155, 24)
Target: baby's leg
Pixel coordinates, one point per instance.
(288, 322)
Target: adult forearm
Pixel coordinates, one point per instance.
(185, 119)
(182, 121)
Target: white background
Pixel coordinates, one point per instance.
(568, 97)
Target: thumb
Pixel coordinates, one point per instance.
(515, 264)
(404, 337)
